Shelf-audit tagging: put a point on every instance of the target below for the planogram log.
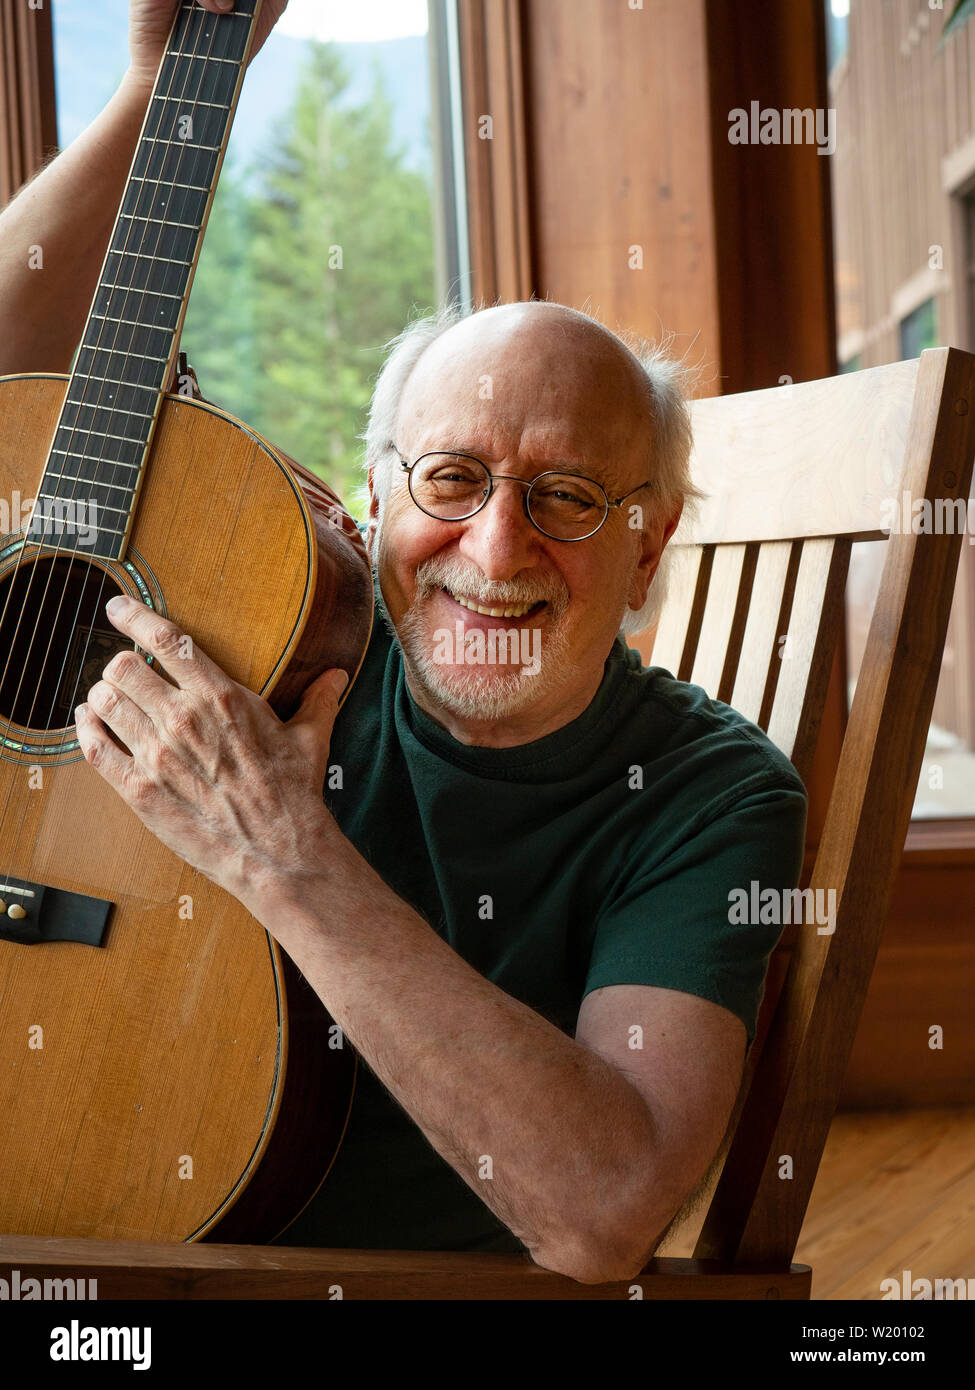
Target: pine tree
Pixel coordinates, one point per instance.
(218, 335)
(308, 269)
(341, 250)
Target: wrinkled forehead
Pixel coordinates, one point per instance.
(524, 381)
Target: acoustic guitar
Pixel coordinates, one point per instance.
(165, 1072)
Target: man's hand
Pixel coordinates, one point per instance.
(211, 770)
(151, 20)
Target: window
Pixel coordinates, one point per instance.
(919, 330)
(334, 219)
(837, 31)
(894, 249)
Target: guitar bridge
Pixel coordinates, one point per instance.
(32, 913)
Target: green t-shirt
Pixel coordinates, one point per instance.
(601, 854)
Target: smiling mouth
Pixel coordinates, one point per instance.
(513, 610)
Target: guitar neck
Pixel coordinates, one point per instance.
(98, 457)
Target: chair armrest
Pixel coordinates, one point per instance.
(150, 1270)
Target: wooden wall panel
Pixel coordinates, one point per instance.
(773, 217)
(923, 979)
(620, 167)
(494, 97)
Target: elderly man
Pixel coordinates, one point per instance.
(516, 904)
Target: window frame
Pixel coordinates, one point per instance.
(28, 108)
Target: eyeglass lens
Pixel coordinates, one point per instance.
(562, 505)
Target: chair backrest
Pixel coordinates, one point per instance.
(796, 474)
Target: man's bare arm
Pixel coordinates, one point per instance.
(68, 211)
(561, 1144)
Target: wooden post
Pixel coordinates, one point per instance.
(28, 114)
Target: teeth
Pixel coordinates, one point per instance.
(515, 612)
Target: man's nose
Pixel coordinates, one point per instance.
(499, 538)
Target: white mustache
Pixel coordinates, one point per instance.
(434, 575)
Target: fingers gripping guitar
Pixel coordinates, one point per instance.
(151, 20)
(210, 768)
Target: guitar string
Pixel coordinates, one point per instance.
(176, 50)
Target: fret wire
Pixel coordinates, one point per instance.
(94, 482)
(162, 221)
(97, 405)
(169, 183)
(92, 550)
(102, 506)
(136, 289)
(151, 386)
(209, 57)
(214, 105)
(112, 463)
(132, 323)
(104, 434)
(106, 532)
(114, 381)
(185, 144)
(147, 256)
(118, 352)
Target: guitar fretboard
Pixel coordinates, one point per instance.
(86, 499)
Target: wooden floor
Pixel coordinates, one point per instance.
(895, 1192)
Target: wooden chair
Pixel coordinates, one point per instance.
(796, 474)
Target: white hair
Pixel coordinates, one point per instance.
(668, 441)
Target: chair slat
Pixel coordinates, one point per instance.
(815, 622)
(723, 624)
(760, 659)
(676, 640)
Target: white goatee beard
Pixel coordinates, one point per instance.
(480, 692)
(477, 693)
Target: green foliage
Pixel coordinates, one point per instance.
(962, 11)
(219, 333)
(308, 271)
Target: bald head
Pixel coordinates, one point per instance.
(538, 372)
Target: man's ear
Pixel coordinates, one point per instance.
(653, 543)
(373, 513)
(672, 524)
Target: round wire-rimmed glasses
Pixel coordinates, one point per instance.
(452, 486)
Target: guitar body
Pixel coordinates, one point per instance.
(177, 1079)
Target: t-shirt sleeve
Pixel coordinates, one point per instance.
(676, 923)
